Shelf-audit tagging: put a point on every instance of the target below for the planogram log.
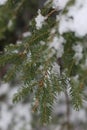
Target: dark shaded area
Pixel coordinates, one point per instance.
(26, 13)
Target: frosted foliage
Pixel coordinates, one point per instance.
(78, 52)
(84, 66)
(19, 116)
(78, 48)
(39, 20)
(10, 23)
(57, 43)
(76, 78)
(26, 34)
(56, 69)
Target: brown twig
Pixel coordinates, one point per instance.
(49, 14)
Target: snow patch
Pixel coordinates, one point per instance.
(75, 20)
(59, 4)
(57, 44)
(78, 52)
(2, 2)
(39, 20)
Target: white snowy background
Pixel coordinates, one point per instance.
(18, 116)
